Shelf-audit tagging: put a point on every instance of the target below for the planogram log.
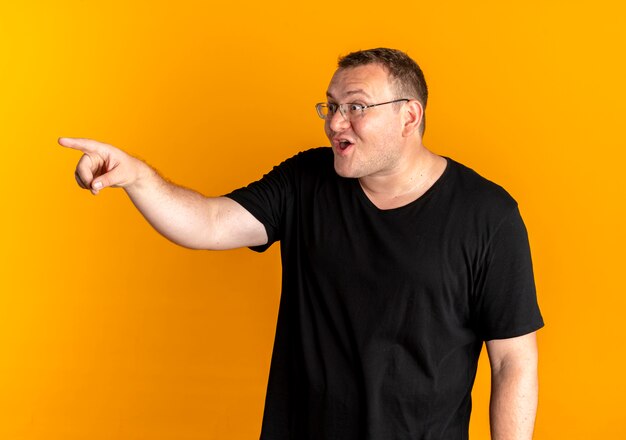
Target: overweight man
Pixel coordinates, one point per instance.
(397, 265)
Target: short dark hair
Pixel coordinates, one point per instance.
(407, 75)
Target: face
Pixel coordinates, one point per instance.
(372, 144)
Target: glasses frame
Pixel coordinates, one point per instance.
(343, 111)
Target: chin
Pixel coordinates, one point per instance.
(346, 172)
(340, 173)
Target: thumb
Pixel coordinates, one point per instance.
(110, 178)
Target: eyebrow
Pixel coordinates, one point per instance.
(351, 92)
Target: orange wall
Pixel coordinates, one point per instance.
(109, 331)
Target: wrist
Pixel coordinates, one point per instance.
(143, 175)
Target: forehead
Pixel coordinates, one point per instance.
(369, 81)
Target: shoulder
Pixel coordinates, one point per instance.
(312, 158)
(312, 164)
(477, 192)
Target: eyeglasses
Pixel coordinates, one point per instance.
(349, 111)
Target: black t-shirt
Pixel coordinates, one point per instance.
(383, 312)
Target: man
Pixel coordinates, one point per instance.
(397, 265)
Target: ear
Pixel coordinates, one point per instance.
(413, 113)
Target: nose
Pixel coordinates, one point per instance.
(338, 122)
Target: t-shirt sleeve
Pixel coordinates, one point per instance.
(267, 200)
(506, 301)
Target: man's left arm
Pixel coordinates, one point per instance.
(514, 387)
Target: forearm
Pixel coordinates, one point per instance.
(182, 215)
(513, 406)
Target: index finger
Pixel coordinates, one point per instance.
(84, 145)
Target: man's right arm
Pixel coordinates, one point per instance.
(182, 215)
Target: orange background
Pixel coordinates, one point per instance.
(109, 331)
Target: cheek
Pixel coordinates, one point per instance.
(327, 129)
(368, 133)
(383, 132)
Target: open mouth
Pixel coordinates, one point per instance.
(344, 144)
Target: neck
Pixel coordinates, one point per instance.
(408, 181)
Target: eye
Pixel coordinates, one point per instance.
(354, 108)
(332, 108)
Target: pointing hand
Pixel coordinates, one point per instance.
(102, 165)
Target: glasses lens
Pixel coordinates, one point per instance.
(322, 110)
